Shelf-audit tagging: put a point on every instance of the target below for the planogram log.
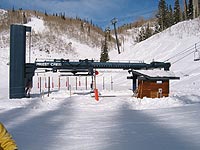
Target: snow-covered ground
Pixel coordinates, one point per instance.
(74, 120)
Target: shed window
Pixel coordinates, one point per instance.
(159, 82)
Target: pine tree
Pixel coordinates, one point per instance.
(157, 29)
(63, 16)
(13, 9)
(104, 50)
(89, 30)
(148, 32)
(145, 33)
(82, 26)
(141, 35)
(24, 18)
(162, 14)
(45, 13)
(185, 12)
(190, 9)
(177, 12)
(170, 16)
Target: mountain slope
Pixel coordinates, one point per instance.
(175, 45)
(54, 35)
(165, 45)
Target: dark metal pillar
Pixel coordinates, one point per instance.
(134, 82)
(114, 21)
(17, 60)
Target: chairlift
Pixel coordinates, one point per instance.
(196, 54)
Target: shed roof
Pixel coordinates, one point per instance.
(155, 74)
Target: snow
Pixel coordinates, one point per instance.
(156, 73)
(36, 24)
(2, 11)
(71, 120)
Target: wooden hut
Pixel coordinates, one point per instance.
(152, 83)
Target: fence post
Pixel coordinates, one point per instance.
(49, 86)
(76, 83)
(52, 83)
(111, 83)
(58, 83)
(103, 83)
(38, 82)
(45, 83)
(68, 83)
(70, 91)
(86, 83)
(40, 85)
(79, 83)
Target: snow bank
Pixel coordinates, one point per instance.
(37, 25)
(2, 11)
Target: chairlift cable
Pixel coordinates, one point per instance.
(183, 57)
(183, 52)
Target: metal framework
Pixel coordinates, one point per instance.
(21, 73)
(61, 65)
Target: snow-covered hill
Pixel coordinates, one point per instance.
(53, 36)
(175, 45)
(73, 120)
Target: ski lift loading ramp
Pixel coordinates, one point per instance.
(62, 65)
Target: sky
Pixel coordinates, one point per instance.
(101, 12)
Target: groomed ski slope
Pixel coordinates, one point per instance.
(66, 122)
(79, 122)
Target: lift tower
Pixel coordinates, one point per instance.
(114, 21)
(18, 75)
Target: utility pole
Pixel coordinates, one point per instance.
(114, 21)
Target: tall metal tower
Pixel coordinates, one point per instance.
(114, 21)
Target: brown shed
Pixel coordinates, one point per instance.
(151, 83)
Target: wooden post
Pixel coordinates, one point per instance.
(58, 83)
(95, 84)
(111, 84)
(52, 83)
(45, 83)
(79, 81)
(92, 84)
(40, 85)
(68, 83)
(86, 83)
(76, 84)
(49, 86)
(70, 90)
(103, 83)
(38, 82)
